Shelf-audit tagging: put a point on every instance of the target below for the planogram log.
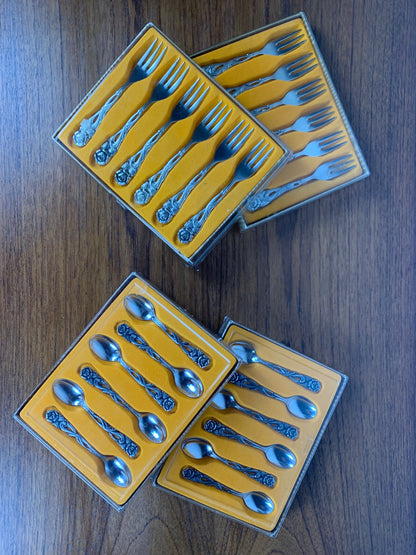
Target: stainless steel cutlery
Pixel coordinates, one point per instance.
(289, 72)
(256, 501)
(295, 97)
(186, 381)
(310, 122)
(325, 172)
(115, 468)
(184, 108)
(225, 150)
(146, 65)
(276, 47)
(167, 85)
(206, 129)
(244, 170)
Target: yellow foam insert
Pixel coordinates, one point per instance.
(282, 117)
(176, 137)
(170, 475)
(80, 356)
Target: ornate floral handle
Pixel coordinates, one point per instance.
(260, 476)
(216, 69)
(235, 91)
(240, 380)
(135, 339)
(132, 165)
(94, 379)
(266, 107)
(264, 198)
(111, 146)
(129, 446)
(277, 425)
(173, 205)
(60, 422)
(215, 427)
(195, 354)
(194, 475)
(89, 126)
(194, 225)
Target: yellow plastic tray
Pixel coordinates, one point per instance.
(32, 413)
(171, 142)
(303, 447)
(282, 117)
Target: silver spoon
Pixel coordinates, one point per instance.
(279, 455)
(254, 500)
(225, 400)
(116, 469)
(199, 448)
(107, 349)
(72, 394)
(142, 309)
(150, 425)
(185, 380)
(297, 405)
(247, 354)
(147, 421)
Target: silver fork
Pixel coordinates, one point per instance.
(186, 106)
(325, 172)
(206, 129)
(224, 151)
(295, 97)
(310, 122)
(322, 146)
(245, 169)
(166, 86)
(289, 72)
(278, 47)
(143, 68)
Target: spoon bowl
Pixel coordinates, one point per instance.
(152, 427)
(258, 502)
(105, 348)
(139, 307)
(301, 407)
(69, 392)
(116, 470)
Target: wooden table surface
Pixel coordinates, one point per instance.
(334, 280)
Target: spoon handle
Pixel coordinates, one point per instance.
(194, 475)
(303, 380)
(195, 354)
(60, 422)
(218, 429)
(240, 380)
(260, 476)
(277, 425)
(135, 339)
(128, 445)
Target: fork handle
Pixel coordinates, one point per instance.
(131, 166)
(194, 224)
(216, 69)
(266, 197)
(107, 150)
(89, 126)
(173, 205)
(267, 107)
(152, 185)
(235, 91)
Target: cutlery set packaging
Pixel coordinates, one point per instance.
(126, 390)
(230, 421)
(246, 455)
(279, 75)
(171, 145)
(243, 131)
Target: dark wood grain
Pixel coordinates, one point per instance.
(334, 279)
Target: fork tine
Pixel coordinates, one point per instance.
(232, 136)
(239, 139)
(207, 118)
(168, 77)
(191, 92)
(143, 58)
(194, 102)
(255, 153)
(312, 93)
(307, 87)
(221, 121)
(151, 56)
(296, 64)
(319, 114)
(301, 69)
(263, 158)
(343, 170)
(157, 61)
(290, 42)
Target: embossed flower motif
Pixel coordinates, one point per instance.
(131, 449)
(254, 204)
(163, 216)
(210, 426)
(122, 177)
(269, 480)
(203, 361)
(52, 416)
(184, 236)
(315, 386)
